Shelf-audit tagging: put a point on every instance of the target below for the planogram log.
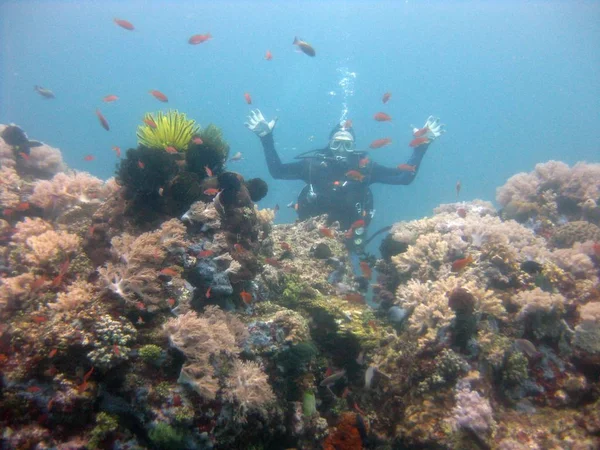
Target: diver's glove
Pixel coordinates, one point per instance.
(257, 123)
(432, 129)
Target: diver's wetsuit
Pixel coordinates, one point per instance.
(329, 190)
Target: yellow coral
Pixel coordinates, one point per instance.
(173, 129)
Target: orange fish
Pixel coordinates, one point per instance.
(246, 297)
(354, 298)
(386, 97)
(140, 306)
(169, 272)
(117, 150)
(407, 168)
(458, 187)
(102, 120)
(171, 302)
(207, 295)
(24, 155)
(205, 254)
(273, 262)
(150, 122)
(238, 248)
(211, 191)
(208, 171)
(110, 98)
(88, 157)
(248, 98)
(362, 163)
(596, 248)
(285, 246)
(268, 55)
(88, 374)
(199, 38)
(116, 350)
(141, 165)
(34, 389)
(53, 353)
(461, 263)
(421, 132)
(23, 206)
(326, 232)
(378, 143)
(304, 46)
(39, 319)
(124, 24)
(347, 124)
(197, 140)
(416, 142)
(359, 223)
(159, 95)
(366, 270)
(382, 117)
(355, 175)
(170, 149)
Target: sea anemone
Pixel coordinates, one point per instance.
(173, 129)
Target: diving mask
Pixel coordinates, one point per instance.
(342, 141)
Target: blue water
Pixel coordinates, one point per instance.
(516, 82)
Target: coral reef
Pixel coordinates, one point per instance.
(124, 326)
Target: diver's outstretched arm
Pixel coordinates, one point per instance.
(406, 173)
(278, 170)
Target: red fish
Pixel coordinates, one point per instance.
(39, 319)
(102, 120)
(421, 132)
(34, 389)
(110, 98)
(171, 302)
(386, 97)
(205, 254)
(285, 246)
(378, 143)
(170, 149)
(53, 353)
(366, 270)
(207, 295)
(88, 157)
(124, 24)
(304, 46)
(24, 155)
(596, 248)
(461, 263)
(363, 163)
(326, 232)
(116, 350)
(169, 272)
(150, 122)
(273, 262)
(140, 306)
(159, 95)
(197, 140)
(199, 38)
(458, 187)
(208, 171)
(117, 151)
(417, 142)
(141, 165)
(248, 98)
(238, 248)
(407, 168)
(211, 191)
(355, 175)
(268, 55)
(382, 117)
(359, 223)
(246, 297)
(23, 206)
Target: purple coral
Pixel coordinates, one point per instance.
(471, 412)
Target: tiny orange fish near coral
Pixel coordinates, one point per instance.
(208, 171)
(326, 232)
(366, 270)
(159, 95)
(355, 175)
(141, 165)
(461, 263)
(246, 297)
(169, 272)
(378, 143)
(382, 117)
(211, 191)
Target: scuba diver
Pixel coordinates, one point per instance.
(338, 176)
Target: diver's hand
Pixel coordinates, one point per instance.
(258, 125)
(432, 129)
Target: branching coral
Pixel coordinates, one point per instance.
(9, 188)
(248, 387)
(172, 129)
(51, 247)
(536, 301)
(65, 190)
(78, 294)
